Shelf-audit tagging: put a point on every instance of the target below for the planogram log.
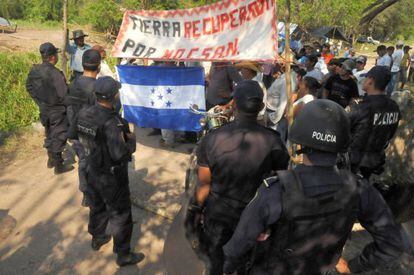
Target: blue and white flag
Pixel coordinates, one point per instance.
(160, 97)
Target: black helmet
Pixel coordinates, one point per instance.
(322, 125)
(106, 87)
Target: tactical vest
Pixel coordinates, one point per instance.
(78, 96)
(90, 126)
(384, 118)
(40, 86)
(312, 231)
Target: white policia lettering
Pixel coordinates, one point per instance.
(385, 119)
(324, 137)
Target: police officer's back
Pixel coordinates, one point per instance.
(232, 161)
(108, 145)
(47, 86)
(374, 122)
(308, 213)
(81, 95)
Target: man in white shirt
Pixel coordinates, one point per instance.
(311, 70)
(383, 58)
(105, 69)
(397, 57)
(361, 61)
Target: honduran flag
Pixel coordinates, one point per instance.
(160, 97)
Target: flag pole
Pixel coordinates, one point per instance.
(65, 37)
(288, 59)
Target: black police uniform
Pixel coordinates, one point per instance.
(309, 214)
(239, 155)
(102, 132)
(47, 86)
(374, 122)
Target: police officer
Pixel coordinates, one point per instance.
(303, 217)
(108, 145)
(81, 94)
(374, 122)
(47, 86)
(232, 161)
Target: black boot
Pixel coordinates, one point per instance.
(130, 258)
(97, 243)
(60, 166)
(50, 161)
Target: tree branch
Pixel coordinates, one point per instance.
(366, 19)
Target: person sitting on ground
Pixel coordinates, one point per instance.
(341, 88)
(312, 60)
(361, 61)
(308, 91)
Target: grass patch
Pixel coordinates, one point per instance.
(17, 107)
(38, 25)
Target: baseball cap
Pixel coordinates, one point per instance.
(248, 96)
(48, 49)
(348, 65)
(91, 57)
(106, 87)
(381, 74)
(361, 59)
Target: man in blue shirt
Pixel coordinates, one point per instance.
(76, 51)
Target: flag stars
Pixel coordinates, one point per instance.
(169, 91)
(160, 97)
(152, 103)
(152, 91)
(168, 104)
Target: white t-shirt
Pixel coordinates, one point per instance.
(321, 66)
(105, 70)
(304, 100)
(360, 80)
(397, 57)
(384, 60)
(315, 73)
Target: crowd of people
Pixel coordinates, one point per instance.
(248, 206)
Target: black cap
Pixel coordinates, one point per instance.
(348, 65)
(48, 49)
(106, 87)
(381, 74)
(248, 96)
(91, 58)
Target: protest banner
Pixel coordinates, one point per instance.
(230, 30)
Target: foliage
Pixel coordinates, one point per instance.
(17, 108)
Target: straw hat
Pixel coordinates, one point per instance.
(251, 65)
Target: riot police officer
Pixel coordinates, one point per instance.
(47, 86)
(374, 122)
(231, 163)
(81, 95)
(108, 145)
(303, 217)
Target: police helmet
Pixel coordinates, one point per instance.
(322, 125)
(106, 87)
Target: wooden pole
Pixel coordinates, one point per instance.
(65, 37)
(288, 58)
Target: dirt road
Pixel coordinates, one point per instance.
(29, 40)
(43, 228)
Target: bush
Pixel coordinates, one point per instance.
(17, 107)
